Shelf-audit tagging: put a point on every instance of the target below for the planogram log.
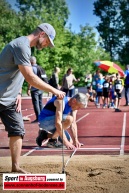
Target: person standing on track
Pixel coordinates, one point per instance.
(106, 89)
(118, 85)
(127, 85)
(35, 93)
(99, 89)
(68, 83)
(56, 117)
(14, 67)
(54, 80)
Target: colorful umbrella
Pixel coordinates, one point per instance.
(109, 67)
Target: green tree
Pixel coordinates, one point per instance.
(109, 24)
(9, 27)
(71, 50)
(114, 27)
(124, 32)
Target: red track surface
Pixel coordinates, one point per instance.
(102, 131)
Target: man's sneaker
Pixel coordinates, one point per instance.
(117, 110)
(42, 136)
(53, 143)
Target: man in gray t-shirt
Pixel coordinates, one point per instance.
(14, 67)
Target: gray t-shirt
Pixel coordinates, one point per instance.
(17, 52)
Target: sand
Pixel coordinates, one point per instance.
(84, 173)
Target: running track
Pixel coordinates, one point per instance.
(102, 131)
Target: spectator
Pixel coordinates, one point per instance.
(54, 80)
(118, 85)
(91, 94)
(68, 83)
(106, 90)
(95, 78)
(127, 85)
(88, 81)
(112, 93)
(96, 75)
(99, 89)
(35, 93)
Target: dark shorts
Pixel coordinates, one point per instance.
(118, 95)
(99, 94)
(12, 120)
(106, 94)
(48, 124)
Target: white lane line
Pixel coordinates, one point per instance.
(82, 117)
(29, 152)
(123, 136)
(36, 148)
(27, 109)
(87, 149)
(30, 115)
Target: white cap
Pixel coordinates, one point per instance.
(49, 30)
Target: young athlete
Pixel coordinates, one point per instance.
(118, 85)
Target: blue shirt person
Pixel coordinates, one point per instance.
(127, 85)
(57, 116)
(99, 88)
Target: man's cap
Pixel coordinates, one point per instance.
(49, 30)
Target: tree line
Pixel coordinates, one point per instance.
(76, 50)
(114, 27)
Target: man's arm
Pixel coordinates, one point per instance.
(28, 90)
(74, 130)
(36, 82)
(58, 124)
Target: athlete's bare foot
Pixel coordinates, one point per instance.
(20, 170)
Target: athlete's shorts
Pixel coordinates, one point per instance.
(12, 120)
(48, 124)
(118, 95)
(106, 94)
(99, 94)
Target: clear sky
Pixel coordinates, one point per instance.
(81, 13)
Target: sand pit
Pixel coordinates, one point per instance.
(85, 173)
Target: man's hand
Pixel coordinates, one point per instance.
(18, 103)
(60, 94)
(69, 145)
(77, 144)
